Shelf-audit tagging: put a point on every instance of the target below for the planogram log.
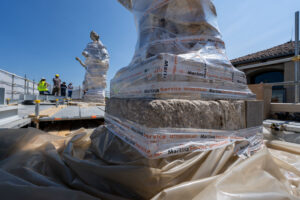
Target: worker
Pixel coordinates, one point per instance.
(56, 85)
(70, 90)
(43, 87)
(63, 89)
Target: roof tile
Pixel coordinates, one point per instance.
(283, 50)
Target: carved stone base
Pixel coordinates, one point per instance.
(176, 113)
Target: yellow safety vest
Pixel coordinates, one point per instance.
(42, 87)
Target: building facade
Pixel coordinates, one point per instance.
(271, 66)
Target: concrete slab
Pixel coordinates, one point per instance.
(25, 110)
(18, 116)
(16, 122)
(76, 113)
(69, 112)
(9, 118)
(8, 111)
(91, 111)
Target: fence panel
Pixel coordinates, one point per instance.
(77, 93)
(6, 83)
(16, 85)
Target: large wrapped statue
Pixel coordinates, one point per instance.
(179, 54)
(96, 65)
(180, 67)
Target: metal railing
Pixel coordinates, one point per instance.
(16, 85)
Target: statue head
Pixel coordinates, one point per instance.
(94, 36)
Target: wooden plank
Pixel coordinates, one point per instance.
(50, 111)
(85, 104)
(285, 107)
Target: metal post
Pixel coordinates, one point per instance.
(37, 113)
(25, 84)
(296, 54)
(79, 92)
(12, 86)
(33, 87)
(27, 92)
(37, 108)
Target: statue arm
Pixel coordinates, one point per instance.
(83, 65)
(105, 53)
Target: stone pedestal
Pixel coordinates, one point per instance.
(177, 113)
(162, 128)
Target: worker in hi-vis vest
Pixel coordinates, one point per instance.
(43, 87)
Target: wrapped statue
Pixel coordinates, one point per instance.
(96, 65)
(179, 54)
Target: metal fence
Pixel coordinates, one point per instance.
(77, 93)
(16, 85)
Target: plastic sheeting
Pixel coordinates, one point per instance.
(97, 63)
(36, 165)
(156, 143)
(179, 54)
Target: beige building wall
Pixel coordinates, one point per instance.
(289, 75)
(263, 93)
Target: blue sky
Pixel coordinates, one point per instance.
(42, 37)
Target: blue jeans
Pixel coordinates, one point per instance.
(70, 94)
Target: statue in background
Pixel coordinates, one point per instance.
(96, 65)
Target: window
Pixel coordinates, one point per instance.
(278, 92)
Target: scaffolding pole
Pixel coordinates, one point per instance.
(296, 55)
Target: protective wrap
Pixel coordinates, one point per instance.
(97, 63)
(35, 165)
(179, 54)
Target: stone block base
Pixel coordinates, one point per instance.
(177, 113)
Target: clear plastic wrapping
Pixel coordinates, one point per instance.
(179, 54)
(96, 64)
(156, 143)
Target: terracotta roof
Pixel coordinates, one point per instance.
(283, 50)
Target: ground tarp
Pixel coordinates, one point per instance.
(37, 165)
